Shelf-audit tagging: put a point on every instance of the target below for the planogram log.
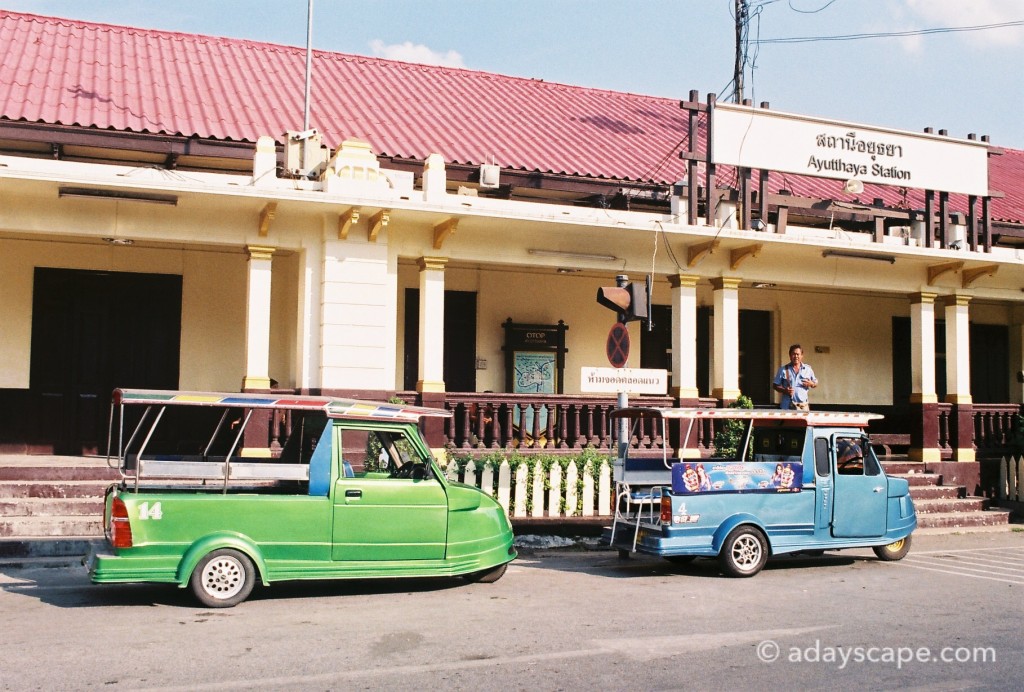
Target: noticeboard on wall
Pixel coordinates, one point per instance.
(534, 357)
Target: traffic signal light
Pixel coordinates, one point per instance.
(632, 301)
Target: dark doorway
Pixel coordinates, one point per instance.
(656, 344)
(755, 366)
(92, 332)
(459, 340)
(990, 362)
(755, 355)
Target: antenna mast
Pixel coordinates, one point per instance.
(309, 63)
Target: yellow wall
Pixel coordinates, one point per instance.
(213, 309)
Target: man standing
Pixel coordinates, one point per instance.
(793, 380)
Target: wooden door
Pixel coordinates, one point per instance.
(92, 332)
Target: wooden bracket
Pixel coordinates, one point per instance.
(443, 230)
(937, 270)
(346, 221)
(377, 222)
(696, 252)
(971, 275)
(737, 256)
(267, 215)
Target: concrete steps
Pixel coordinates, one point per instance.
(945, 507)
(51, 506)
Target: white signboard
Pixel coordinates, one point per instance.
(629, 380)
(757, 138)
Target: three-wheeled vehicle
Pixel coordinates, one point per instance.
(337, 488)
(801, 481)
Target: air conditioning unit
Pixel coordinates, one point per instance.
(489, 175)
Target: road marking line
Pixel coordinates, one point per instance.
(959, 574)
(984, 569)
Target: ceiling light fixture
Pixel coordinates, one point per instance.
(118, 195)
(573, 255)
(119, 241)
(762, 284)
(859, 255)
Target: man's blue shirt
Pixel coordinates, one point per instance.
(785, 377)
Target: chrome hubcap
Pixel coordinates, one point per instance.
(223, 577)
(746, 552)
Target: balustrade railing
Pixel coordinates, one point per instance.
(994, 426)
(549, 423)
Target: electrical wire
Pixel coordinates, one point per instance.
(888, 34)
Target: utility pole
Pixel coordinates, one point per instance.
(741, 24)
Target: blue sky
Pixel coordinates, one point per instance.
(959, 81)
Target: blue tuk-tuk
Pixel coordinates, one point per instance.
(800, 481)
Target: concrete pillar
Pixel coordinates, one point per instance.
(684, 336)
(431, 346)
(924, 436)
(958, 377)
(922, 348)
(958, 350)
(257, 319)
(358, 305)
(725, 378)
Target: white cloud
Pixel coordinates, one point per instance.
(410, 52)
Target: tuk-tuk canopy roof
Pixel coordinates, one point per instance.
(764, 414)
(334, 407)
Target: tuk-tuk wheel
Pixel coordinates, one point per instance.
(487, 576)
(223, 578)
(897, 550)
(744, 552)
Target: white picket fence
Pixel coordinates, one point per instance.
(1011, 479)
(523, 494)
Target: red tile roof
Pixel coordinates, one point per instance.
(140, 80)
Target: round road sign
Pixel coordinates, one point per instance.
(617, 346)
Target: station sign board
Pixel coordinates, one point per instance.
(623, 380)
(758, 138)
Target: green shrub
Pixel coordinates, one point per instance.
(730, 436)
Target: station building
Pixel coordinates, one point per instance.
(440, 234)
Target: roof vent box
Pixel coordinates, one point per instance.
(305, 156)
(489, 175)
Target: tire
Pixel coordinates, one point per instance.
(897, 550)
(223, 578)
(744, 552)
(487, 576)
(680, 559)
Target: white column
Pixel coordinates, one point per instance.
(257, 319)
(958, 350)
(922, 349)
(725, 379)
(358, 315)
(684, 336)
(308, 318)
(431, 346)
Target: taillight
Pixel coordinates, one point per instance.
(666, 509)
(120, 527)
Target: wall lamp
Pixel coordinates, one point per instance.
(573, 255)
(118, 195)
(859, 255)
